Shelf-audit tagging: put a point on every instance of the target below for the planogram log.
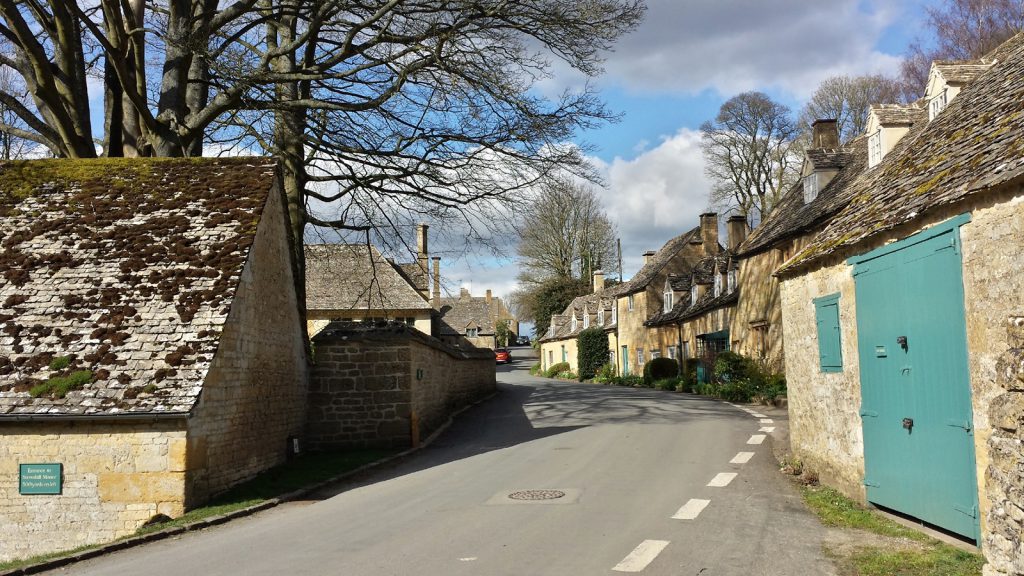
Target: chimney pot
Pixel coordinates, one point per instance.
(598, 281)
(488, 297)
(709, 232)
(463, 293)
(736, 227)
(648, 255)
(825, 133)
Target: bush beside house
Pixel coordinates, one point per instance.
(591, 352)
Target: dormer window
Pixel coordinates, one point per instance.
(668, 297)
(551, 330)
(732, 280)
(875, 149)
(693, 294)
(718, 285)
(600, 317)
(472, 332)
(937, 104)
(615, 313)
(586, 320)
(573, 327)
(810, 187)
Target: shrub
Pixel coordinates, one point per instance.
(605, 374)
(660, 368)
(690, 372)
(591, 351)
(730, 366)
(556, 369)
(668, 384)
(567, 375)
(535, 369)
(632, 381)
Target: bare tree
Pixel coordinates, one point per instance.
(749, 154)
(848, 99)
(13, 131)
(961, 30)
(379, 111)
(564, 233)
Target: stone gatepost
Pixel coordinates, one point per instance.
(1004, 535)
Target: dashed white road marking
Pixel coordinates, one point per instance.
(722, 479)
(691, 509)
(470, 559)
(768, 429)
(641, 556)
(756, 439)
(741, 458)
(757, 415)
(767, 421)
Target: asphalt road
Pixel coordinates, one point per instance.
(627, 461)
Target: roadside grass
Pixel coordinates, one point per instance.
(901, 551)
(306, 470)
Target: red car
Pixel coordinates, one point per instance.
(502, 356)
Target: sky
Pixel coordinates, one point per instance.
(675, 71)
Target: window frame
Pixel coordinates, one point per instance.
(629, 302)
(811, 187)
(875, 149)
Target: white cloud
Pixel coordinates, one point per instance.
(730, 46)
(655, 196)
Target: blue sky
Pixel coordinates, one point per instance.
(677, 69)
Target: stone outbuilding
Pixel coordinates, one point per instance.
(152, 353)
(903, 315)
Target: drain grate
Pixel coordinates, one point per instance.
(537, 495)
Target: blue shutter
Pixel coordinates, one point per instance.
(830, 353)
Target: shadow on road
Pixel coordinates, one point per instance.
(528, 408)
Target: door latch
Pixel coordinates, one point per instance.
(902, 341)
(908, 423)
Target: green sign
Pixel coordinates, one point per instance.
(40, 478)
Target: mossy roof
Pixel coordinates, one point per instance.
(125, 268)
(971, 147)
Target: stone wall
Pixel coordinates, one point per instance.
(824, 407)
(117, 475)
(254, 396)
(388, 387)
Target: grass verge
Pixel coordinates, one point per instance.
(306, 470)
(897, 551)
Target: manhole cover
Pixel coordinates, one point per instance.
(536, 495)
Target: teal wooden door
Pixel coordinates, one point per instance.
(915, 385)
(625, 360)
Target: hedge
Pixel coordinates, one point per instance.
(591, 352)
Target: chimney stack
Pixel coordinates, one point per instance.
(488, 296)
(825, 133)
(736, 227)
(648, 255)
(598, 281)
(437, 282)
(463, 293)
(709, 232)
(422, 260)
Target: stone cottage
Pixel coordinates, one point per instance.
(902, 318)
(152, 351)
(597, 309)
(471, 321)
(803, 211)
(355, 282)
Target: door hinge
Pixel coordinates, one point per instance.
(870, 483)
(971, 511)
(870, 413)
(965, 424)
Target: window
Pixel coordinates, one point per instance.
(615, 313)
(936, 105)
(732, 280)
(673, 352)
(693, 294)
(686, 350)
(830, 354)
(586, 319)
(573, 327)
(551, 358)
(600, 317)
(810, 187)
(718, 285)
(565, 357)
(629, 302)
(875, 149)
(668, 301)
(655, 354)
(639, 357)
(472, 332)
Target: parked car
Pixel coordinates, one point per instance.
(523, 341)
(502, 356)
